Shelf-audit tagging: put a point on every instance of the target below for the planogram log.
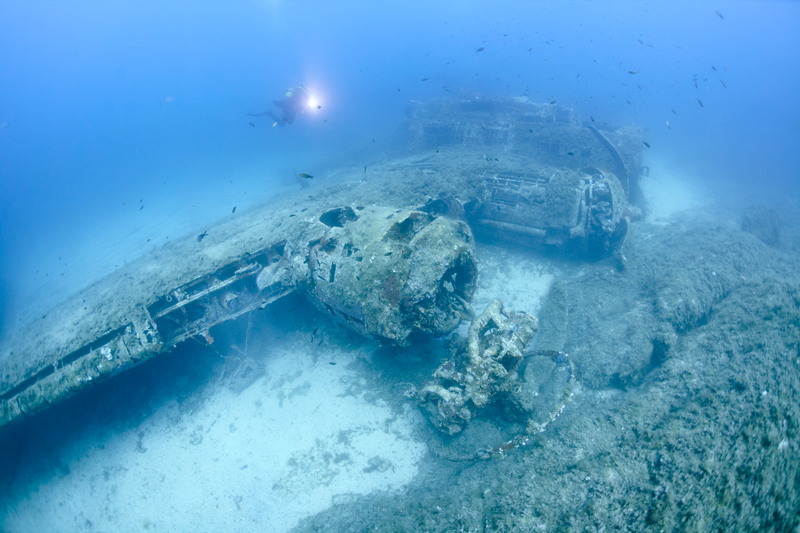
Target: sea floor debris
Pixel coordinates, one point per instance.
(488, 367)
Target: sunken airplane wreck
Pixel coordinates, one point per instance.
(390, 254)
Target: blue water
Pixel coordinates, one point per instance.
(125, 125)
(87, 142)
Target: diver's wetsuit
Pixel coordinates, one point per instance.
(295, 101)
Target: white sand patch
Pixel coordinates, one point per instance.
(668, 193)
(280, 451)
(518, 278)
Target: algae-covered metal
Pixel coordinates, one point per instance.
(582, 211)
(490, 366)
(386, 273)
(542, 177)
(185, 311)
(119, 348)
(389, 273)
(478, 370)
(552, 135)
(389, 254)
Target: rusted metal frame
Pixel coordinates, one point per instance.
(96, 360)
(249, 270)
(198, 328)
(138, 340)
(213, 312)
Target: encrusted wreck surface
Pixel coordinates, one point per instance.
(480, 370)
(384, 272)
(386, 252)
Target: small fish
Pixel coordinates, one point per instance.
(314, 332)
(306, 176)
(287, 119)
(700, 102)
(591, 117)
(632, 72)
(373, 140)
(292, 309)
(668, 126)
(640, 41)
(719, 15)
(327, 120)
(141, 208)
(252, 125)
(233, 210)
(554, 101)
(529, 49)
(713, 68)
(695, 84)
(479, 49)
(723, 84)
(673, 112)
(202, 236)
(530, 131)
(274, 124)
(424, 79)
(570, 153)
(365, 169)
(398, 89)
(167, 100)
(646, 144)
(330, 362)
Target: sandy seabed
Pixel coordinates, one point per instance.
(286, 447)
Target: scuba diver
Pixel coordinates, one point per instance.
(297, 100)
